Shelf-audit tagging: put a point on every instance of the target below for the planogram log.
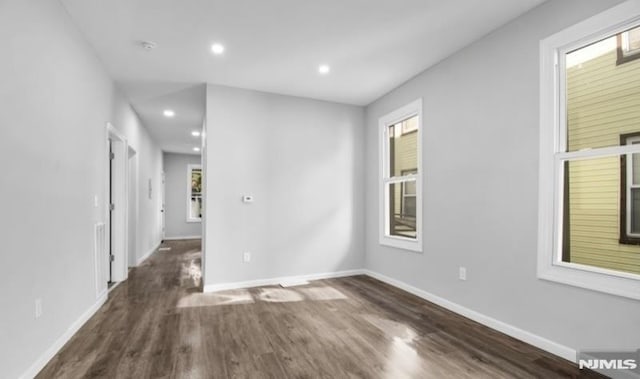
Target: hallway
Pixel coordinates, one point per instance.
(139, 328)
(158, 324)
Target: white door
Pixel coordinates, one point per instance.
(162, 207)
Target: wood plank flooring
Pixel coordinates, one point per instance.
(158, 324)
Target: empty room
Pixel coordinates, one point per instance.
(320, 189)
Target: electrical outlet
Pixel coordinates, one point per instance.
(462, 273)
(246, 257)
(38, 308)
(95, 201)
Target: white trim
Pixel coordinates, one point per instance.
(114, 285)
(629, 186)
(64, 338)
(627, 51)
(410, 110)
(133, 205)
(120, 266)
(278, 280)
(553, 153)
(597, 153)
(190, 168)
(182, 238)
(163, 210)
(203, 225)
(510, 330)
(147, 254)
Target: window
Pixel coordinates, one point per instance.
(628, 45)
(589, 195)
(194, 193)
(409, 196)
(630, 192)
(400, 185)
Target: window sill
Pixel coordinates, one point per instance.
(592, 278)
(626, 240)
(193, 221)
(402, 243)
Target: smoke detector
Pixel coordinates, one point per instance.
(148, 45)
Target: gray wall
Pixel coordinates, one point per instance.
(302, 161)
(56, 99)
(148, 164)
(175, 172)
(481, 188)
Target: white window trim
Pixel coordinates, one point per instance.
(406, 195)
(627, 51)
(552, 154)
(629, 185)
(190, 168)
(412, 109)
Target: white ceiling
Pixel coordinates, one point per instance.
(276, 46)
(188, 101)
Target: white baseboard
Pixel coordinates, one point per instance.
(182, 238)
(64, 338)
(148, 254)
(510, 330)
(116, 284)
(278, 280)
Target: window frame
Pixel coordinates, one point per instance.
(626, 184)
(190, 168)
(413, 109)
(554, 154)
(625, 56)
(403, 190)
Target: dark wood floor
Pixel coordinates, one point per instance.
(158, 325)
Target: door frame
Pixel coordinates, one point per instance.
(163, 208)
(120, 213)
(132, 207)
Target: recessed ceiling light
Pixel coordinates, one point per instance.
(217, 48)
(196, 149)
(168, 113)
(324, 69)
(195, 133)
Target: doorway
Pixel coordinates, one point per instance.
(163, 214)
(112, 233)
(117, 215)
(132, 218)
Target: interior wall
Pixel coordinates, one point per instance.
(150, 166)
(480, 159)
(56, 100)
(176, 186)
(301, 160)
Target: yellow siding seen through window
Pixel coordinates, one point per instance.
(603, 103)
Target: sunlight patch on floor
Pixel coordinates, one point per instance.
(191, 272)
(279, 295)
(213, 299)
(322, 293)
(265, 294)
